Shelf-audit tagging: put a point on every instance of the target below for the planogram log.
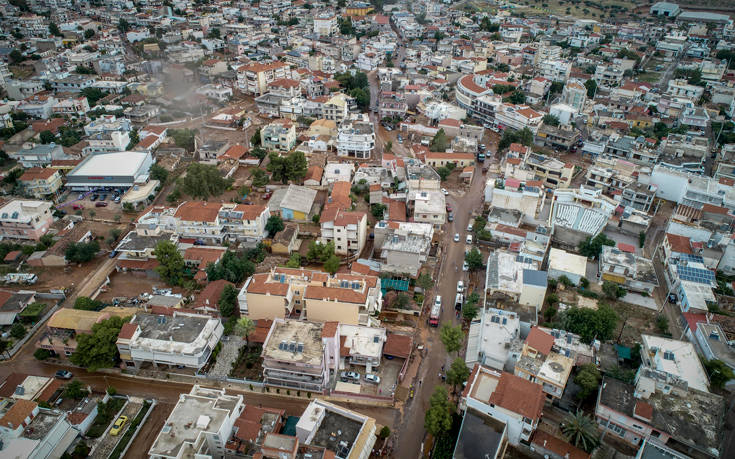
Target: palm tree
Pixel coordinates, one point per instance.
(581, 431)
(244, 327)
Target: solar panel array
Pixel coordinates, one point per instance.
(700, 276)
(691, 258)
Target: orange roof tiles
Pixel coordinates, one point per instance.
(37, 173)
(18, 413)
(540, 340)
(519, 395)
(198, 211)
(680, 244)
(127, 331)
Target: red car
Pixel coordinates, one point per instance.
(100, 204)
(77, 206)
(449, 208)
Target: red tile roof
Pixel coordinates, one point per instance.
(519, 396)
(398, 345)
(127, 331)
(557, 445)
(540, 340)
(37, 173)
(680, 244)
(198, 211)
(18, 413)
(643, 410)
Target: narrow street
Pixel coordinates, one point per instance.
(412, 424)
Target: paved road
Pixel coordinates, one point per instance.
(412, 429)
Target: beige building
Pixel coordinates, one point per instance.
(541, 364)
(279, 135)
(322, 127)
(311, 295)
(460, 160)
(348, 230)
(254, 78)
(40, 182)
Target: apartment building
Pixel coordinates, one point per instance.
(254, 78)
(627, 269)
(550, 171)
(39, 155)
(108, 142)
(392, 104)
(179, 340)
(300, 355)
(528, 197)
(107, 124)
(320, 419)
(199, 425)
(25, 219)
(206, 221)
(403, 247)
(554, 69)
(40, 182)
(541, 363)
(337, 108)
(279, 135)
(311, 295)
(681, 88)
(608, 76)
(518, 117)
(356, 138)
(348, 230)
(574, 95)
(505, 397)
(427, 206)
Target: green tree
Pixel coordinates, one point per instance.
(170, 263)
(123, 25)
(159, 173)
(588, 378)
(320, 252)
(517, 97)
(183, 138)
(98, 349)
(15, 56)
(294, 261)
(81, 252)
(457, 373)
(641, 239)
(92, 95)
(440, 142)
(591, 86)
(244, 327)
(438, 418)
(591, 324)
(551, 120)
(361, 96)
(228, 301)
(260, 178)
(451, 337)
(612, 290)
(231, 267)
(719, 373)
(425, 281)
(255, 139)
(592, 247)
(75, 390)
(259, 153)
(40, 354)
(662, 324)
(378, 211)
(17, 331)
(284, 168)
(332, 264)
(581, 431)
(274, 225)
(134, 139)
(203, 181)
(401, 301)
(443, 172)
(89, 33)
(384, 433)
(47, 137)
(54, 30)
(87, 304)
(474, 259)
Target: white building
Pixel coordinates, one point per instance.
(356, 138)
(199, 425)
(320, 420)
(571, 265)
(110, 170)
(518, 117)
(675, 358)
(179, 340)
(325, 24)
(493, 340)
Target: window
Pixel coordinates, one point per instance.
(616, 428)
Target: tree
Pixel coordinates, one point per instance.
(612, 290)
(361, 96)
(592, 247)
(641, 239)
(588, 378)
(294, 261)
(719, 373)
(255, 139)
(440, 142)
(183, 138)
(75, 390)
(170, 263)
(274, 225)
(98, 349)
(425, 281)
(159, 173)
(15, 56)
(84, 70)
(474, 259)
(81, 252)
(41, 354)
(320, 252)
(591, 86)
(54, 30)
(517, 97)
(214, 33)
(232, 268)
(228, 301)
(284, 168)
(259, 178)
(203, 181)
(388, 146)
(662, 324)
(458, 372)
(443, 172)
(438, 418)
(123, 25)
(87, 304)
(134, 139)
(244, 327)
(384, 433)
(89, 33)
(401, 301)
(47, 137)
(524, 137)
(259, 153)
(17, 331)
(92, 95)
(332, 264)
(378, 211)
(470, 311)
(581, 431)
(452, 337)
(551, 120)
(591, 324)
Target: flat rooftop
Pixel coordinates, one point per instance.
(480, 436)
(41, 425)
(303, 342)
(678, 358)
(178, 334)
(337, 433)
(134, 241)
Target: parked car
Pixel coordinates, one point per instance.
(347, 376)
(116, 199)
(94, 197)
(446, 193)
(450, 217)
(468, 239)
(371, 378)
(465, 267)
(81, 196)
(449, 208)
(77, 206)
(460, 287)
(469, 226)
(113, 254)
(100, 204)
(64, 374)
(103, 197)
(119, 424)
(456, 237)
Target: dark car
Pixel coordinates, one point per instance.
(64, 374)
(100, 204)
(94, 197)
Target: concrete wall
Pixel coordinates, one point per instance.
(318, 310)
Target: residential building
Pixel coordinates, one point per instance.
(578, 214)
(402, 247)
(361, 345)
(439, 159)
(677, 359)
(296, 355)
(713, 343)
(279, 135)
(40, 182)
(574, 95)
(427, 206)
(680, 88)
(392, 104)
(356, 138)
(292, 203)
(550, 171)
(528, 197)
(321, 419)
(540, 363)
(336, 108)
(311, 295)
(627, 269)
(518, 117)
(29, 431)
(493, 340)
(25, 219)
(254, 78)
(346, 229)
(505, 397)
(481, 434)
(179, 340)
(571, 265)
(39, 155)
(506, 277)
(199, 425)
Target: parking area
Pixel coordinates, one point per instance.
(106, 443)
(387, 372)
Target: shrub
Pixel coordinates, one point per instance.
(42, 354)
